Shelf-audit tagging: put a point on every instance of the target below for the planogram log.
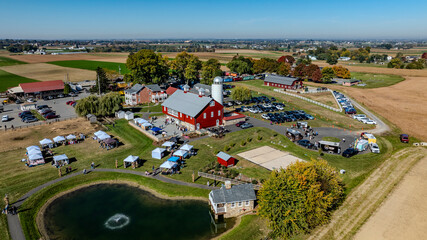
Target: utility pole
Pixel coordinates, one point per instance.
(99, 87)
(120, 70)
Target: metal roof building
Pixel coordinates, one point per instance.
(237, 193)
(187, 103)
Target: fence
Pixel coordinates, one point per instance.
(39, 123)
(223, 179)
(312, 101)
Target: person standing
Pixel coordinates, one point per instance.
(92, 165)
(343, 139)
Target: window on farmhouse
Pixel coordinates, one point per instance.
(247, 203)
(172, 112)
(240, 204)
(233, 205)
(219, 113)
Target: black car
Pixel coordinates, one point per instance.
(42, 106)
(349, 152)
(305, 143)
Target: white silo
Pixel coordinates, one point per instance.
(217, 92)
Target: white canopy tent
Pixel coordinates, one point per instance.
(60, 160)
(181, 153)
(32, 148)
(58, 139)
(168, 165)
(132, 160)
(71, 137)
(158, 153)
(186, 147)
(45, 141)
(168, 144)
(35, 156)
(101, 135)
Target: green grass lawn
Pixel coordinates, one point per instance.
(376, 80)
(250, 227)
(92, 65)
(5, 61)
(331, 139)
(8, 80)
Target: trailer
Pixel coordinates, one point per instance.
(294, 135)
(330, 147)
(250, 77)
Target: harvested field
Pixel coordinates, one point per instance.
(403, 214)
(49, 72)
(21, 138)
(323, 97)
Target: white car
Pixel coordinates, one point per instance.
(279, 107)
(253, 110)
(5, 118)
(265, 116)
(30, 100)
(357, 116)
(370, 121)
(364, 120)
(374, 148)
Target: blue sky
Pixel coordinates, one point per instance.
(131, 19)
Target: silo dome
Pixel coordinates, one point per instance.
(218, 80)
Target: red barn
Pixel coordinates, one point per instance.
(42, 89)
(194, 111)
(225, 160)
(282, 82)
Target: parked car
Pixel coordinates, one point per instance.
(41, 107)
(61, 96)
(51, 115)
(30, 120)
(349, 152)
(374, 148)
(18, 101)
(246, 125)
(370, 121)
(404, 138)
(68, 102)
(5, 118)
(265, 116)
(30, 100)
(240, 123)
(350, 111)
(357, 116)
(305, 143)
(21, 114)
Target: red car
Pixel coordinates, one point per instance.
(70, 103)
(404, 138)
(240, 123)
(51, 115)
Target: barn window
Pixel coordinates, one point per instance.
(219, 113)
(204, 115)
(212, 103)
(212, 114)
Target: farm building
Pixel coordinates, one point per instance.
(232, 118)
(120, 114)
(139, 94)
(232, 201)
(38, 89)
(171, 90)
(129, 115)
(282, 82)
(225, 160)
(350, 82)
(192, 110)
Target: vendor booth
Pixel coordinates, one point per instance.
(294, 135)
(146, 125)
(361, 145)
(331, 147)
(180, 153)
(168, 165)
(173, 159)
(101, 135)
(369, 137)
(158, 153)
(109, 143)
(46, 143)
(72, 139)
(60, 160)
(186, 147)
(59, 140)
(34, 156)
(168, 144)
(131, 161)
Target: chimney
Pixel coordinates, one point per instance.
(201, 92)
(227, 185)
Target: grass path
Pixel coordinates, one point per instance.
(362, 202)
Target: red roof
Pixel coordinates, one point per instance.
(233, 116)
(170, 90)
(42, 86)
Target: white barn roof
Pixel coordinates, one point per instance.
(187, 103)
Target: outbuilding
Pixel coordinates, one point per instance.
(129, 115)
(120, 114)
(91, 118)
(278, 81)
(158, 153)
(225, 160)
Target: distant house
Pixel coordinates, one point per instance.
(344, 59)
(273, 80)
(171, 90)
(128, 115)
(132, 94)
(313, 58)
(152, 93)
(225, 160)
(350, 82)
(232, 201)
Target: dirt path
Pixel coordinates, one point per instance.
(363, 201)
(403, 214)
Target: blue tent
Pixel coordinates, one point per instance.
(173, 159)
(156, 129)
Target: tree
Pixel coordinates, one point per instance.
(106, 105)
(327, 74)
(309, 70)
(284, 69)
(210, 70)
(286, 59)
(186, 66)
(101, 81)
(332, 60)
(395, 63)
(145, 66)
(241, 94)
(297, 199)
(111, 74)
(424, 56)
(304, 61)
(240, 65)
(299, 71)
(418, 64)
(265, 65)
(67, 88)
(341, 72)
(317, 75)
(87, 105)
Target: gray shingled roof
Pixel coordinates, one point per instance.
(135, 88)
(237, 193)
(187, 103)
(154, 87)
(279, 79)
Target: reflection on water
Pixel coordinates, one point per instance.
(118, 211)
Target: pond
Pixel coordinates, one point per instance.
(119, 211)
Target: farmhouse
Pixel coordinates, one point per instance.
(38, 89)
(231, 201)
(139, 94)
(192, 110)
(350, 82)
(282, 82)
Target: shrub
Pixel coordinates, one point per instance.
(254, 181)
(233, 173)
(226, 148)
(259, 138)
(243, 143)
(249, 139)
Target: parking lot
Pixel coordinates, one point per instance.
(57, 105)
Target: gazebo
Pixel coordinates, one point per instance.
(158, 153)
(60, 160)
(59, 140)
(46, 143)
(71, 139)
(131, 160)
(181, 154)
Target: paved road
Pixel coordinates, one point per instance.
(381, 127)
(15, 228)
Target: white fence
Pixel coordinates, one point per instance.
(312, 101)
